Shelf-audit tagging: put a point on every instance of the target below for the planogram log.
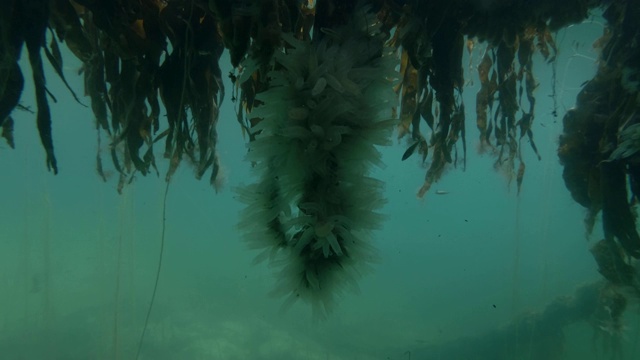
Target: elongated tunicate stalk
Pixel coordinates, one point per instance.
(327, 108)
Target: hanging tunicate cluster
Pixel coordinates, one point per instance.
(312, 212)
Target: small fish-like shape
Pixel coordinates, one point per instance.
(441, 192)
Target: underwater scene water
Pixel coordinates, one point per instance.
(465, 273)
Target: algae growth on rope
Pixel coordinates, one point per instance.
(313, 88)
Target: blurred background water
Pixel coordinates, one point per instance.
(78, 261)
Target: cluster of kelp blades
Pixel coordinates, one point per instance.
(600, 152)
(136, 53)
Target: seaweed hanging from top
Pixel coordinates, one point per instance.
(139, 54)
(127, 64)
(134, 51)
(598, 148)
(599, 151)
(430, 38)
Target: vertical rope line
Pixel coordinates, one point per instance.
(155, 285)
